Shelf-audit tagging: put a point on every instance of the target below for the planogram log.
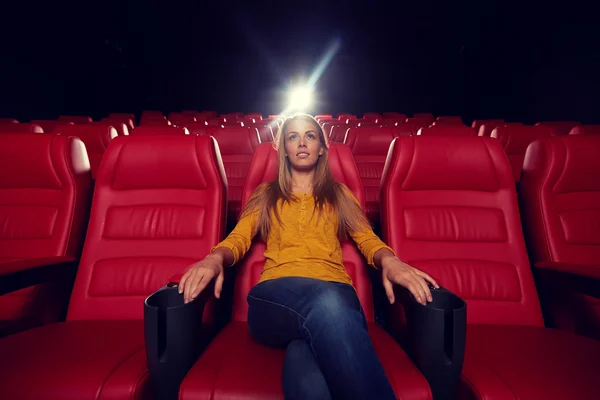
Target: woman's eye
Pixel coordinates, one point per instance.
(310, 136)
(292, 137)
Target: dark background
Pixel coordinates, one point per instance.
(522, 61)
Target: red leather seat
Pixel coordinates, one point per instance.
(235, 366)
(44, 206)
(585, 130)
(48, 125)
(448, 120)
(121, 127)
(370, 147)
(159, 205)
(95, 137)
(237, 149)
(447, 130)
(449, 207)
(406, 129)
(199, 128)
(128, 119)
(17, 128)
(76, 119)
(344, 117)
(159, 130)
(560, 203)
(265, 132)
(421, 122)
(515, 139)
(8, 121)
(338, 133)
(491, 123)
(561, 127)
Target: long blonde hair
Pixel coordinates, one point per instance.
(326, 191)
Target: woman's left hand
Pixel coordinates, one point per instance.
(416, 281)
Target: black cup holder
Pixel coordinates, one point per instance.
(438, 333)
(172, 332)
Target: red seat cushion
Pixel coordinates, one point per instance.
(76, 360)
(526, 362)
(450, 129)
(235, 366)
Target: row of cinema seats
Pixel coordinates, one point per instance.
(369, 147)
(448, 207)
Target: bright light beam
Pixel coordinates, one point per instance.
(300, 98)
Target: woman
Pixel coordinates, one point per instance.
(305, 299)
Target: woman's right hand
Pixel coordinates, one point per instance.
(195, 280)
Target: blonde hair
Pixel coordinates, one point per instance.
(326, 191)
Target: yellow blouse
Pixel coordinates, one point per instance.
(304, 245)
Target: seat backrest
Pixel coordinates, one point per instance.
(448, 120)
(48, 125)
(199, 128)
(559, 196)
(421, 122)
(76, 119)
(263, 169)
(45, 199)
(121, 127)
(447, 130)
(370, 147)
(159, 206)
(585, 130)
(476, 124)
(406, 129)
(561, 127)
(159, 130)
(96, 138)
(449, 208)
(237, 149)
(515, 139)
(338, 133)
(20, 128)
(9, 121)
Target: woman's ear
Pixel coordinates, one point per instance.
(321, 151)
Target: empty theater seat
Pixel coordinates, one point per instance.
(515, 139)
(158, 207)
(237, 148)
(338, 133)
(122, 128)
(44, 207)
(20, 128)
(448, 120)
(560, 204)
(96, 138)
(561, 127)
(159, 130)
(235, 366)
(9, 121)
(370, 147)
(48, 125)
(448, 130)
(491, 123)
(585, 130)
(76, 119)
(449, 208)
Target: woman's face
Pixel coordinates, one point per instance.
(302, 145)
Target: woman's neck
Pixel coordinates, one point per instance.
(302, 182)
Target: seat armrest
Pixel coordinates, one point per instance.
(20, 274)
(437, 337)
(584, 279)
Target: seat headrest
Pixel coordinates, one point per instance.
(236, 140)
(341, 161)
(95, 137)
(585, 130)
(515, 138)
(159, 130)
(147, 162)
(570, 161)
(450, 163)
(447, 130)
(77, 119)
(369, 141)
(33, 160)
(24, 128)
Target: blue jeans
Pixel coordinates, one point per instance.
(329, 352)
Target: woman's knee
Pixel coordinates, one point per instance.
(336, 305)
